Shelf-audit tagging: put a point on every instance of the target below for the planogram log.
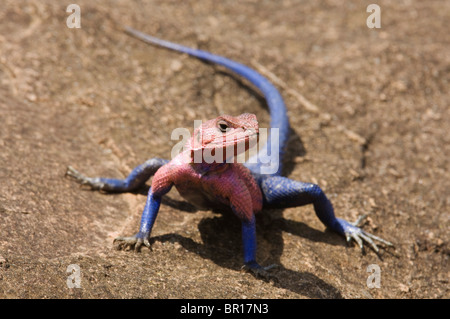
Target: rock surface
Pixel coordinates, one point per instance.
(103, 102)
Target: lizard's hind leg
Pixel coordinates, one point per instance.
(135, 180)
(283, 192)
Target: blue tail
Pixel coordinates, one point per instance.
(279, 120)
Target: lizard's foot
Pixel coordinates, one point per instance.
(260, 272)
(135, 241)
(81, 179)
(352, 231)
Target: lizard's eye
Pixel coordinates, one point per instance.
(222, 126)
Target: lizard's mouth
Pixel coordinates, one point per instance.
(236, 145)
(228, 147)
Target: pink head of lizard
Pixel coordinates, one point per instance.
(221, 139)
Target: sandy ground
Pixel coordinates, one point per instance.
(99, 100)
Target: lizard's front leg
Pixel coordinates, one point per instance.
(283, 192)
(161, 185)
(249, 243)
(135, 180)
(249, 247)
(147, 220)
(244, 208)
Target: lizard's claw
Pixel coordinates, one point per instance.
(135, 241)
(352, 231)
(81, 179)
(260, 272)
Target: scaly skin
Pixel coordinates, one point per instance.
(206, 183)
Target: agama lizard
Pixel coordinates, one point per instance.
(243, 187)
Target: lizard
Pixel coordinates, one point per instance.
(244, 187)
